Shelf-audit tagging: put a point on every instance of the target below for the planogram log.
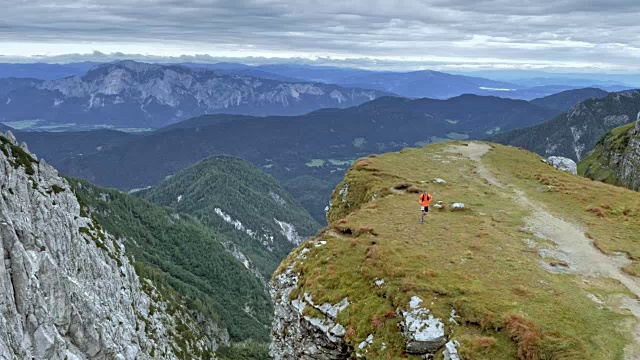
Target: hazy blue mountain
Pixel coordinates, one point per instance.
(137, 95)
(540, 78)
(433, 84)
(9, 84)
(324, 74)
(565, 100)
(307, 153)
(44, 71)
(243, 70)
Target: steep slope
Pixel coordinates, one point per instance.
(68, 290)
(308, 153)
(260, 221)
(575, 133)
(616, 158)
(187, 259)
(513, 274)
(565, 100)
(137, 95)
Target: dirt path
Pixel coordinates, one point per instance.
(578, 250)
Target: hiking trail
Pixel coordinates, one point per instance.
(583, 257)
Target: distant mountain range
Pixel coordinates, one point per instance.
(137, 95)
(413, 84)
(575, 133)
(307, 153)
(417, 84)
(45, 71)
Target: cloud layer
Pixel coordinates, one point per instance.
(546, 34)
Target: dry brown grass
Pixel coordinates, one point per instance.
(522, 290)
(362, 164)
(366, 230)
(525, 333)
(377, 323)
(559, 263)
(414, 189)
(598, 211)
(485, 341)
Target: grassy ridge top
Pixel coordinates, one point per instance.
(516, 295)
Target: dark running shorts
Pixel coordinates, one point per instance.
(424, 208)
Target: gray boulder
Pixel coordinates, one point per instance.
(424, 334)
(563, 163)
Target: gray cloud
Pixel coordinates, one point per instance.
(571, 34)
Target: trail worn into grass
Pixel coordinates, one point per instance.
(583, 257)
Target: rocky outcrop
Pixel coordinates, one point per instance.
(296, 335)
(67, 289)
(616, 158)
(563, 163)
(423, 332)
(629, 172)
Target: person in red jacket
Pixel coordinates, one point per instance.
(425, 200)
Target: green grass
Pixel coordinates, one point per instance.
(610, 213)
(473, 261)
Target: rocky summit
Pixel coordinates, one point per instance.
(68, 290)
(533, 266)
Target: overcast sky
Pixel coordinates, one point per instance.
(571, 35)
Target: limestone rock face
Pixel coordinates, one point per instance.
(66, 289)
(563, 163)
(616, 159)
(629, 172)
(297, 336)
(423, 332)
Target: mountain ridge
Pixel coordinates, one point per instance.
(574, 134)
(504, 277)
(286, 147)
(138, 95)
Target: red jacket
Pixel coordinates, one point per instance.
(425, 199)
